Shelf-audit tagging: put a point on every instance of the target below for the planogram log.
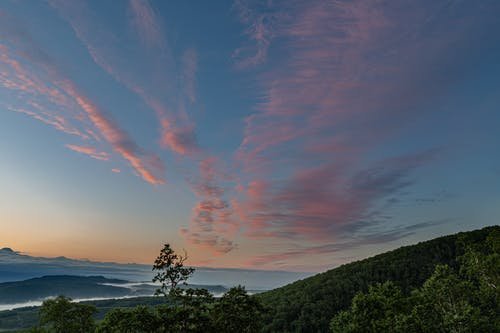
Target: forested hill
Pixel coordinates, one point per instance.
(308, 305)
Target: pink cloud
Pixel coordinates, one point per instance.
(120, 141)
(116, 170)
(23, 80)
(90, 151)
(180, 140)
(176, 128)
(55, 121)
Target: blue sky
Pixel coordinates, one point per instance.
(292, 135)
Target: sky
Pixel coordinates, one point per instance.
(281, 135)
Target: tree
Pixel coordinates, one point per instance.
(192, 313)
(374, 311)
(237, 311)
(445, 303)
(137, 320)
(190, 310)
(171, 271)
(61, 316)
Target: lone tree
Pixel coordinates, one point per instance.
(171, 271)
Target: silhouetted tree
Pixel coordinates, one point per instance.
(171, 271)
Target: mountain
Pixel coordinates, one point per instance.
(15, 266)
(308, 305)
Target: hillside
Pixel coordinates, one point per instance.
(309, 304)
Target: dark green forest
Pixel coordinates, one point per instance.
(308, 305)
(448, 284)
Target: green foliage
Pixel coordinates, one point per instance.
(374, 311)
(308, 305)
(60, 315)
(196, 311)
(237, 311)
(192, 313)
(138, 320)
(171, 270)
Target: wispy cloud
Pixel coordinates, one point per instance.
(145, 164)
(147, 24)
(49, 118)
(90, 151)
(260, 30)
(43, 82)
(155, 78)
(180, 140)
(374, 238)
(313, 203)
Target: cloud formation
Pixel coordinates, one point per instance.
(43, 85)
(334, 144)
(260, 31)
(212, 223)
(333, 93)
(153, 74)
(378, 237)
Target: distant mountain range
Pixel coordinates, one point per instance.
(15, 266)
(78, 287)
